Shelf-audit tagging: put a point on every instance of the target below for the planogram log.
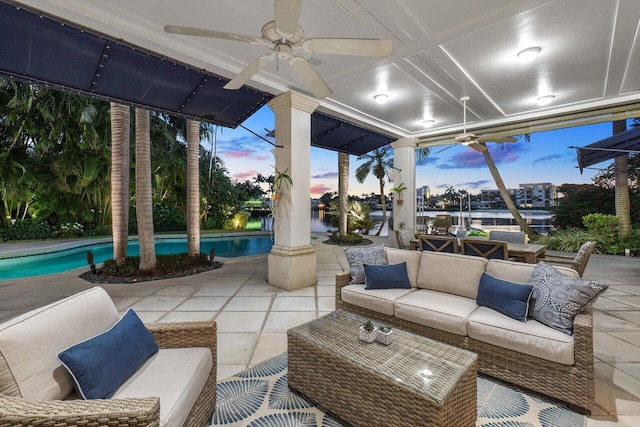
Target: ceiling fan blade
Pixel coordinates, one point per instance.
(312, 79)
(478, 147)
(356, 47)
(287, 15)
(249, 71)
(200, 32)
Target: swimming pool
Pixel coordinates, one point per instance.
(57, 262)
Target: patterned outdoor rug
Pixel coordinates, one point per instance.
(259, 397)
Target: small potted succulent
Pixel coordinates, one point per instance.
(385, 335)
(368, 332)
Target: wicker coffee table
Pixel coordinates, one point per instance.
(415, 381)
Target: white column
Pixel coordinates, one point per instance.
(404, 163)
(292, 261)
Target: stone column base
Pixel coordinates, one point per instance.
(292, 268)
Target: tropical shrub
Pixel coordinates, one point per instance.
(606, 225)
(165, 264)
(68, 229)
(349, 239)
(238, 222)
(26, 229)
(168, 218)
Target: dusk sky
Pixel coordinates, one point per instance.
(546, 158)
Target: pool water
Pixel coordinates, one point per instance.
(60, 261)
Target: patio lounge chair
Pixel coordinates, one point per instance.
(489, 249)
(439, 244)
(578, 263)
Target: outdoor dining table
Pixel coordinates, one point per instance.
(526, 251)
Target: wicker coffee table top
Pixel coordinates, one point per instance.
(422, 364)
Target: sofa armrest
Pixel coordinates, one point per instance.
(583, 338)
(185, 334)
(342, 280)
(140, 412)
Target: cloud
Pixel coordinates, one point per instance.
(326, 175)
(474, 184)
(472, 159)
(245, 147)
(551, 157)
(243, 176)
(443, 186)
(319, 189)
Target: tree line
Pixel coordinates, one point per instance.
(55, 152)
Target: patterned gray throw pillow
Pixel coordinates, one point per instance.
(557, 298)
(364, 255)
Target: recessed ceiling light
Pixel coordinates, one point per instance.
(546, 100)
(381, 98)
(528, 54)
(428, 123)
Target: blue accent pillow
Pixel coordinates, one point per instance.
(100, 365)
(392, 276)
(510, 299)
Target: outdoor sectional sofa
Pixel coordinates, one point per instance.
(176, 386)
(442, 305)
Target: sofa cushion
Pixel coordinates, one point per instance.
(532, 338)
(451, 273)
(557, 298)
(30, 343)
(518, 272)
(508, 298)
(412, 258)
(356, 257)
(392, 276)
(438, 310)
(103, 363)
(176, 375)
(380, 300)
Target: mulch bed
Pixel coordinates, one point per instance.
(100, 278)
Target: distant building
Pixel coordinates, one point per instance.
(535, 195)
(423, 192)
(491, 199)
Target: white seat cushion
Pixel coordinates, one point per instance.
(412, 258)
(379, 300)
(30, 343)
(530, 337)
(451, 273)
(438, 310)
(176, 376)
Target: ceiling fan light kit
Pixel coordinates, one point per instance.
(286, 38)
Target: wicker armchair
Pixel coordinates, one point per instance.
(578, 263)
(16, 411)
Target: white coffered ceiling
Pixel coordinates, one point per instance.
(442, 50)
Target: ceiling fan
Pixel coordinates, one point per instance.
(470, 139)
(286, 38)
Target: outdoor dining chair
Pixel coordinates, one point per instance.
(578, 263)
(439, 243)
(489, 249)
(507, 236)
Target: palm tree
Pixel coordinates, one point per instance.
(120, 115)
(378, 163)
(623, 204)
(193, 187)
(144, 202)
(502, 188)
(343, 189)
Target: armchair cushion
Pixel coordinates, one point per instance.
(100, 365)
(30, 343)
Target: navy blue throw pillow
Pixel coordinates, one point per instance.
(100, 365)
(511, 299)
(386, 276)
